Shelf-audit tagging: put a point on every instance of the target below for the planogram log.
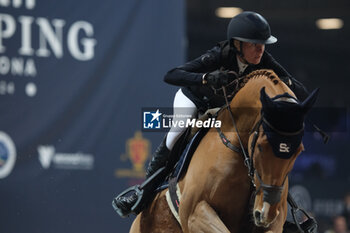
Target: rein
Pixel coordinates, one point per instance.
(248, 161)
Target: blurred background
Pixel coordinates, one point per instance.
(75, 75)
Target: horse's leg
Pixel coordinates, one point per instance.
(156, 218)
(205, 219)
(135, 227)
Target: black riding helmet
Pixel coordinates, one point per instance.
(250, 27)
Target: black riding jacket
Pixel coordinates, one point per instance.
(189, 75)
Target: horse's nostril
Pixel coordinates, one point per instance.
(257, 215)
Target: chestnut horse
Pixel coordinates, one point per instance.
(216, 190)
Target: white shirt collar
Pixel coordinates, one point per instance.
(241, 66)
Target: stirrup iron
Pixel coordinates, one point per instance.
(140, 191)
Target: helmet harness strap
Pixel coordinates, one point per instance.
(240, 51)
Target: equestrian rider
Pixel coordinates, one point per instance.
(242, 52)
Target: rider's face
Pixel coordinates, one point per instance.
(253, 52)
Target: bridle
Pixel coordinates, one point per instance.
(271, 193)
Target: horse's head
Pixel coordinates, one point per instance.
(274, 147)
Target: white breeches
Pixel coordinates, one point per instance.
(182, 106)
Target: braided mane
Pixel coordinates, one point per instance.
(241, 82)
(270, 74)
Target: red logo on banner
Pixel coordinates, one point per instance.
(137, 150)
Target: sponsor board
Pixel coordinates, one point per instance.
(48, 158)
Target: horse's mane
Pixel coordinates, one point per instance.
(242, 81)
(264, 72)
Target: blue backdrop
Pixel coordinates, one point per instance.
(74, 76)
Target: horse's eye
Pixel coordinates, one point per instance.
(259, 147)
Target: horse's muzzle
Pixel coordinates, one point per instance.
(263, 217)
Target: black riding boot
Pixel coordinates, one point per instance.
(159, 159)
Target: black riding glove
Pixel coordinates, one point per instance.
(219, 78)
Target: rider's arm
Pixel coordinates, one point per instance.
(191, 73)
(296, 86)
